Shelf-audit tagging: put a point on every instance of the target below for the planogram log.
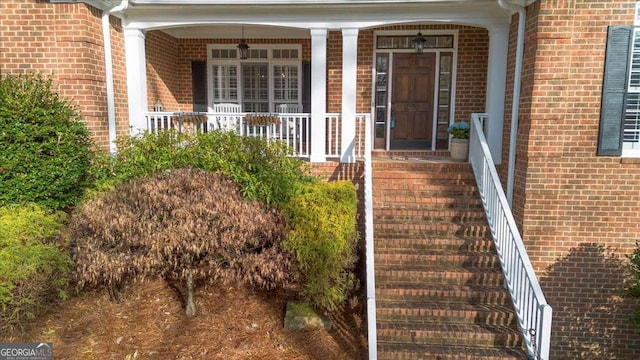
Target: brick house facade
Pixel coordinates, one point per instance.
(579, 213)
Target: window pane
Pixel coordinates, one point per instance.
(634, 77)
(406, 41)
(255, 87)
(632, 118)
(225, 83)
(285, 83)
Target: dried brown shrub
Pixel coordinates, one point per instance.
(184, 225)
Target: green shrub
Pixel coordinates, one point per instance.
(182, 225)
(322, 237)
(263, 170)
(46, 149)
(33, 268)
(632, 289)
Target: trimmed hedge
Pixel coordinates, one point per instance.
(46, 149)
(33, 267)
(263, 170)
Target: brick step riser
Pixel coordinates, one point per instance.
(412, 222)
(399, 186)
(389, 351)
(398, 278)
(417, 245)
(411, 167)
(425, 197)
(391, 312)
(398, 315)
(456, 338)
(409, 172)
(427, 215)
(416, 184)
(404, 296)
(448, 206)
(467, 263)
(435, 231)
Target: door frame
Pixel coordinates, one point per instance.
(436, 82)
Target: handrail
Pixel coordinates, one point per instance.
(369, 257)
(531, 307)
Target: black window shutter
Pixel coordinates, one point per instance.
(199, 85)
(614, 89)
(306, 86)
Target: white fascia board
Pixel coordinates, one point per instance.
(307, 16)
(98, 4)
(299, 2)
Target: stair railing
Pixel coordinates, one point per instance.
(534, 314)
(368, 215)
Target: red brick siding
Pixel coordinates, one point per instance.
(578, 212)
(119, 76)
(162, 76)
(65, 42)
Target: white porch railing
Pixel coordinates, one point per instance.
(293, 129)
(334, 130)
(534, 314)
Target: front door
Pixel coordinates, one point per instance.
(412, 101)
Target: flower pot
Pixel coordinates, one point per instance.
(459, 149)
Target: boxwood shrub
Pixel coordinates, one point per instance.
(46, 149)
(263, 170)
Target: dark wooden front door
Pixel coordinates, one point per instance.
(412, 101)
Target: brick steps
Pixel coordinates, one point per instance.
(400, 242)
(430, 215)
(384, 230)
(402, 275)
(410, 257)
(420, 312)
(421, 292)
(392, 351)
(449, 334)
(439, 287)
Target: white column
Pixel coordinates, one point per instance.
(136, 64)
(496, 87)
(349, 84)
(318, 95)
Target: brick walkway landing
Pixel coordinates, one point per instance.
(439, 286)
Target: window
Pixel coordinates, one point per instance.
(620, 108)
(271, 76)
(619, 98)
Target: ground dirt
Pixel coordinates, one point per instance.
(231, 323)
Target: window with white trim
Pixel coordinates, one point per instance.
(619, 133)
(269, 77)
(631, 122)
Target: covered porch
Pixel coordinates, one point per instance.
(336, 74)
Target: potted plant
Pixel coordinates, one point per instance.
(459, 140)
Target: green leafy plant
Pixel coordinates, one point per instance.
(33, 266)
(185, 226)
(632, 289)
(263, 170)
(322, 238)
(46, 149)
(459, 130)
